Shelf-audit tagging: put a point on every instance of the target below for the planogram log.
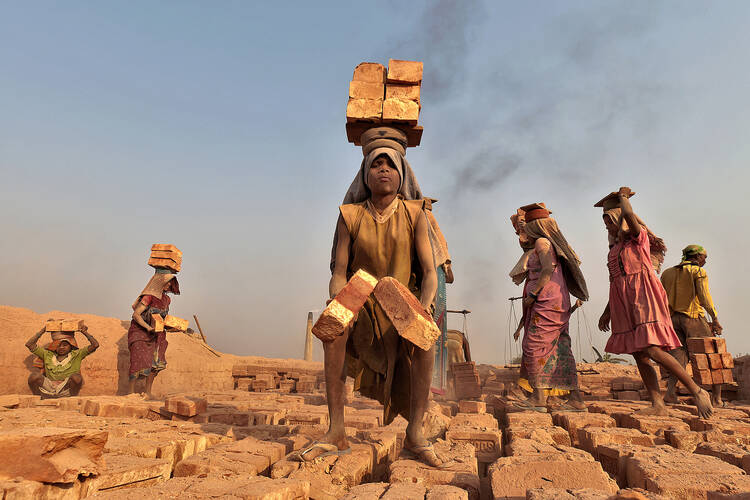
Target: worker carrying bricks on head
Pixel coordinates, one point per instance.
(689, 301)
(61, 359)
(383, 230)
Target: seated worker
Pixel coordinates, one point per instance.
(62, 364)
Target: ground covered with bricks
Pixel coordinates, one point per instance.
(241, 443)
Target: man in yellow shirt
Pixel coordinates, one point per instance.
(687, 291)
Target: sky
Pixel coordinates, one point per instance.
(219, 127)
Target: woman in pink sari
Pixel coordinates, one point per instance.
(638, 308)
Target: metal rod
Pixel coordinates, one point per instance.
(197, 323)
(464, 311)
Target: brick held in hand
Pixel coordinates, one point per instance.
(699, 361)
(727, 361)
(157, 322)
(342, 310)
(406, 313)
(701, 345)
(714, 361)
(404, 71)
(175, 323)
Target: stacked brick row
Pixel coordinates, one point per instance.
(255, 378)
(710, 361)
(164, 256)
(466, 380)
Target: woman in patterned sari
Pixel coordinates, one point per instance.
(554, 274)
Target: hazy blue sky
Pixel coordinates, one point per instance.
(219, 127)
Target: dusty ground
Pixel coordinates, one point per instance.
(238, 440)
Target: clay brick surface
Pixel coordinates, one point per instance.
(487, 443)
(400, 111)
(590, 438)
(465, 406)
(702, 377)
(511, 477)
(701, 345)
(628, 395)
(653, 425)
(157, 322)
(164, 247)
(546, 435)
(404, 71)
(369, 72)
(175, 323)
(727, 375)
(343, 309)
(404, 92)
(185, 406)
(475, 420)
(406, 313)
(720, 344)
(528, 419)
(727, 361)
(574, 421)
(699, 361)
(366, 90)
(714, 361)
(370, 110)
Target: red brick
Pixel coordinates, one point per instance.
(511, 477)
(465, 406)
(728, 377)
(475, 420)
(185, 406)
(590, 438)
(720, 344)
(528, 419)
(653, 424)
(487, 443)
(400, 110)
(165, 263)
(714, 361)
(406, 92)
(699, 361)
(574, 421)
(701, 345)
(545, 435)
(628, 395)
(727, 361)
(404, 71)
(369, 110)
(406, 313)
(343, 309)
(369, 72)
(702, 377)
(366, 90)
(717, 376)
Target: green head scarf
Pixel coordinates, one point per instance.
(691, 251)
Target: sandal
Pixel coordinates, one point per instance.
(567, 407)
(328, 450)
(425, 453)
(525, 405)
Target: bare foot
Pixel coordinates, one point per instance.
(656, 410)
(424, 451)
(703, 402)
(671, 398)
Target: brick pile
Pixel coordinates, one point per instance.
(711, 363)
(164, 256)
(380, 95)
(466, 380)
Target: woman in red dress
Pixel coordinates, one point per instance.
(147, 347)
(638, 308)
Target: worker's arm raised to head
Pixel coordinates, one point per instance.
(31, 343)
(93, 343)
(634, 226)
(338, 278)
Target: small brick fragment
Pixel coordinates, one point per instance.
(342, 310)
(406, 313)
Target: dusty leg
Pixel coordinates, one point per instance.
(651, 381)
(335, 374)
(716, 396)
(75, 383)
(576, 399)
(680, 354)
(35, 382)
(538, 397)
(131, 385)
(701, 397)
(150, 384)
(421, 379)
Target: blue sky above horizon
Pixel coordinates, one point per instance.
(219, 127)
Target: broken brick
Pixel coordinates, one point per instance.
(406, 313)
(343, 309)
